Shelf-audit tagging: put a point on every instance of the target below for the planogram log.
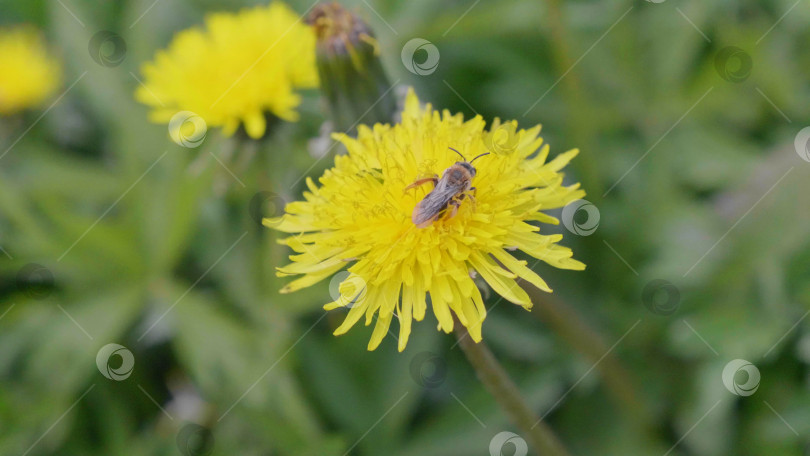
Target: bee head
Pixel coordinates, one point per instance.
(467, 166)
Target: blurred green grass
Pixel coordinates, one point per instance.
(713, 202)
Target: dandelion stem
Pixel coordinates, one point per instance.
(500, 385)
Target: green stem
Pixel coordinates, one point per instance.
(501, 386)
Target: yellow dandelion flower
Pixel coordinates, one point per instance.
(362, 213)
(237, 69)
(28, 73)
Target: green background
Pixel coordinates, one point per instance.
(717, 207)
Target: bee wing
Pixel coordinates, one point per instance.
(436, 201)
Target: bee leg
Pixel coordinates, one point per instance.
(471, 194)
(455, 203)
(418, 182)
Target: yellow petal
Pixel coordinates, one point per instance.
(505, 287)
(355, 313)
(380, 331)
(519, 268)
(255, 124)
(405, 318)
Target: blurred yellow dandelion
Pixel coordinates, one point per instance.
(361, 214)
(239, 68)
(28, 73)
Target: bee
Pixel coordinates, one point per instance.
(448, 192)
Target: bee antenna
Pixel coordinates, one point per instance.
(476, 158)
(459, 153)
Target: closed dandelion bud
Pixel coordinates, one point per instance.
(353, 82)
